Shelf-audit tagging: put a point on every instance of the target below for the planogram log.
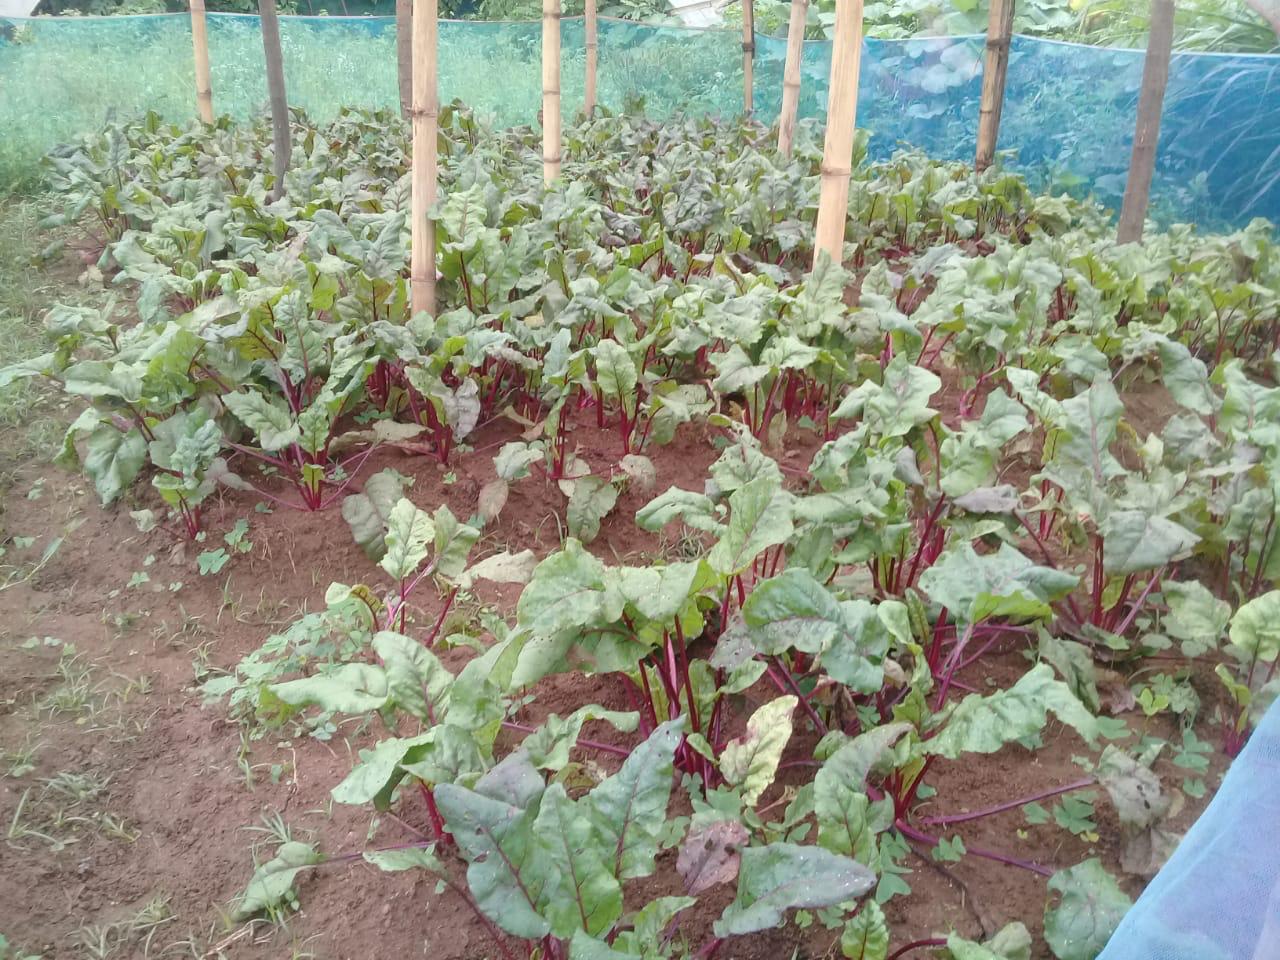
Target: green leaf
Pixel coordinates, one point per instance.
(760, 517)
(585, 895)
(1090, 908)
(985, 724)
(272, 882)
(1186, 378)
(1135, 540)
(1013, 942)
(514, 459)
(856, 655)
(453, 541)
(976, 586)
(630, 807)
(1082, 460)
(793, 610)
(590, 502)
(782, 876)
(506, 871)
(567, 590)
(416, 680)
(660, 593)
(616, 372)
(848, 822)
(866, 934)
(270, 420)
(1255, 628)
(693, 509)
(548, 747)
(501, 568)
(585, 947)
(100, 379)
(735, 373)
(1074, 663)
(448, 754)
(113, 459)
(349, 688)
(409, 532)
(1196, 617)
(410, 858)
(374, 778)
(212, 561)
(367, 512)
(893, 407)
(750, 761)
(650, 926)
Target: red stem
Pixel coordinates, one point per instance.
(916, 945)
(786, 683)
(1010, 805)
(912, 833)
(437, 821)
(435, 629)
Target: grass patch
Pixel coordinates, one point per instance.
(29, 426)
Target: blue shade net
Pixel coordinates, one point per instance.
(1068, 115)
(1218, 897)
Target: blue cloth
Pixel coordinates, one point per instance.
(1218, 897)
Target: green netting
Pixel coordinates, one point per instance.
(1068, 113)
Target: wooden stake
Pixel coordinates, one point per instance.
(426, 114)
(1146, 136)
(404, 55)
(748, 55)
(200, 43)
(550, 89)
(994, 70)
(281, 142)
(593, 57)
(791, 76)
(837, 150)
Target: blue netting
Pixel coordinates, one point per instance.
(1068, 113)
(1218, 897)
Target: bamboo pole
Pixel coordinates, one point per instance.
(837, 150)
(593, 57)
(200, 44)
(791, 76)
(426, 113)
(1146, 136)
(281, 142)
(404, 55)
(994, 70)
(550, 89)
(748, 55)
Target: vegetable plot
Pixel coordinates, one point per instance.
(966, 485)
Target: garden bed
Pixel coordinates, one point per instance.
(916, 604)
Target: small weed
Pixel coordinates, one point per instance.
(22, 760)
(76, 788)
(74, 695)
(275, 829)
(133, 936)
(19, 829)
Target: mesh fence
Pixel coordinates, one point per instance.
(1068, 114)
